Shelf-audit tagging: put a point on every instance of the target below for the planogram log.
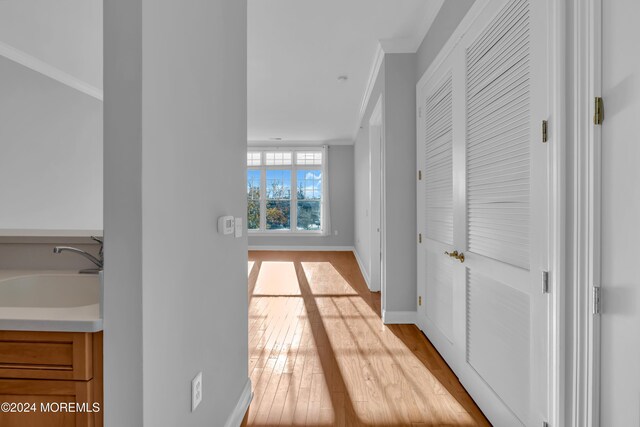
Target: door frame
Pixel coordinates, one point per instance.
(558, 206)
(376, 199)
(583, 278)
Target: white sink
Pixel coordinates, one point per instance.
(49, 301)
(50, 290)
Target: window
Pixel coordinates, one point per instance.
(253, 199)
(286, 192)
(278, 190)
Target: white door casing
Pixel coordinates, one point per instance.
(375, 195)
(485, 193)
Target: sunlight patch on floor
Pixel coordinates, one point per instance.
(323, 278)
(277, 278)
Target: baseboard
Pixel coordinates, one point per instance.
(235, 419)
(302, 248)
(399, 317)
(362, 269)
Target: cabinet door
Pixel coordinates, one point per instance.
(41, 393)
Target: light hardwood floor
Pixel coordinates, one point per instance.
(320, 355)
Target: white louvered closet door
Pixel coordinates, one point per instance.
(436, 210)
(485, 194)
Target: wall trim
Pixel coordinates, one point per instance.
(300, 248)
(557, 231)
(399, 317)
(50, 71)
(583, 354)
(378, 59)
(365, 275)
(235, 418)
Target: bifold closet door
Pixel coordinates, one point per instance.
(484, 202)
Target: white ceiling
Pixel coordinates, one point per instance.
(298, 48)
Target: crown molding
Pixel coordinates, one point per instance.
(298, 143)
(50, 71)
(378, 59)
(397, 45)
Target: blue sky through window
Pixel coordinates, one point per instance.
(310, 183)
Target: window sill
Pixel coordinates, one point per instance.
(286, 234)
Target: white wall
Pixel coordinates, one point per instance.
(50, 153)
(175, 153)
(620, 376)
(66, 34)
(341, 203)
(400, 181)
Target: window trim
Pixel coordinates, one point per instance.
(293, 212)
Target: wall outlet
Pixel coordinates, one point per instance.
(196, 391)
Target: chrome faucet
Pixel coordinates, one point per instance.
(99, 262)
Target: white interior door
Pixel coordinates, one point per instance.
(435, 216)
(484, 195)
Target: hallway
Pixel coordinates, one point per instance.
(320, 355)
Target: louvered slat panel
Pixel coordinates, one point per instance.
(439, 293)
(438, 173)
(498, 337)
(498, 138)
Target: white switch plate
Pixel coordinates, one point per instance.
(196, 391)
(239, 227)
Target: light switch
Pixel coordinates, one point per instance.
(239, 227)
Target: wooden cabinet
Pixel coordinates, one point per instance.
(50, 379)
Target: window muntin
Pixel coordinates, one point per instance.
(290, 192)
(277, 158)
(309, 157)
(254, 158)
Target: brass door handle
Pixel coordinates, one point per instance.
(456, 255)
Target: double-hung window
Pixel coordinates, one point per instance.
(287, 191)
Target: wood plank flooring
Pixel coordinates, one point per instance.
(320, 355)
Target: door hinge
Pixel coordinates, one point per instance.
(598, 116)
(420, 238)
(597, 300)
(420, 300)
(419, 175)
(545, 131)
(545, 424)
(545, 282)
